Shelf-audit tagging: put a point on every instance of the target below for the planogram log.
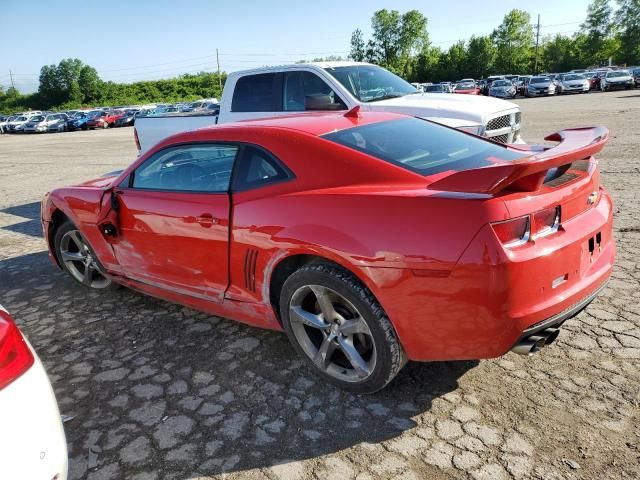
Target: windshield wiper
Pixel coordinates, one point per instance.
(387, 97)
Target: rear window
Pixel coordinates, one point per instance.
(422, 146)
(257, 93)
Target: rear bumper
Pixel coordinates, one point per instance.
(494, 297)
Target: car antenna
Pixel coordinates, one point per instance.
(354, 112)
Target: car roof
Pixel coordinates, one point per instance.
(298, 66)
(317, 123)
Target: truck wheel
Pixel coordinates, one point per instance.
(339, 328)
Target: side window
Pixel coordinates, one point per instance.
(256, 93)
(257, 168)
(188, 168)
(307, 91)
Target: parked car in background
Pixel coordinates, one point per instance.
(103, 118)
(437, 88)
(37, 123)
(4, 120)
(448, 86)
(32, 440)
(17, 124)
(573, 83)
(437, 244)
(636, 77)
(78, 121)
(502, 89)
(127, 119)
(418, 86)
(466, 88)
(57, 122)
(616, 79)
(594, 80)
(521, 84)
(540, 86)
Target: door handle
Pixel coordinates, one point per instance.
(206, 220)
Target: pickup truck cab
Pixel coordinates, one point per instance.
(336, 86)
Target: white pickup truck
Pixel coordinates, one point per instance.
(291, 89)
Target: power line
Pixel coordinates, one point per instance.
(559, 24)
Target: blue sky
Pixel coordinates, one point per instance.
(134, 40)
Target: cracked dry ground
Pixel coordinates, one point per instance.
(160, 391)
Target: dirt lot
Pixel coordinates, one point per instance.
(160, 391)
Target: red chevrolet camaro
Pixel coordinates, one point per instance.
(370, 238)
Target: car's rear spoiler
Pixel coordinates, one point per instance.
(527, 174)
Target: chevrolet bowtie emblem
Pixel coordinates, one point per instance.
(591, 199)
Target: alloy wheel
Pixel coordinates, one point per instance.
(332, 333)
(79, 262)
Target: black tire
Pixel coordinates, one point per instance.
(389, 355)
(94, 282)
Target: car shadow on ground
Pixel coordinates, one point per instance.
(153, 386)
(31, 226)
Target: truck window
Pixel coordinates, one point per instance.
(307, 91)
(256, 93)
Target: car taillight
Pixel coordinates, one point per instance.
(514, 232)
(546, 222)
(135, 137)
(15, 356)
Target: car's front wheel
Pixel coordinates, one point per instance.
(77, 258)
(338, 327)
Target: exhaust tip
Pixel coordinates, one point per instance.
(530, 345)
(551, 334)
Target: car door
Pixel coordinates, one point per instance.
(173, 220)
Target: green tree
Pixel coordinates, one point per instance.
(481, 56)
(514, 43)
(90, 84)
(560, 54)
(396, 38)
(628, 19)
(597, 29)
(358, 51)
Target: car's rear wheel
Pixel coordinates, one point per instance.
(339, 328)
(77, 258)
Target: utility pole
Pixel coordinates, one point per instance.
(535, 68)
(11, 75)
(219, 78)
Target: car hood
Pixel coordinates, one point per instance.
(540, 85)
(444, 105)
(102, 182)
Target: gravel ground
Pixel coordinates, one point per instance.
(160, 391)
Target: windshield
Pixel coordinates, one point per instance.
(620, 73)
(502, 83)
(574, 77)
(95, 114)
(37, 118)
(369, 83)
(465, 86)
(539, 80)
(435, 88)
(422, 146)
(21, 119)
